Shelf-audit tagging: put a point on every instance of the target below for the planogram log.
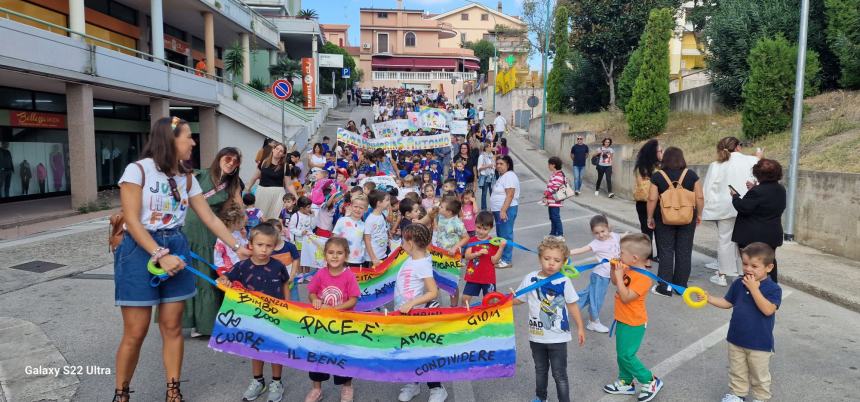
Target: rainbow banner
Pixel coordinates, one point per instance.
(377, 284)
(445, 344)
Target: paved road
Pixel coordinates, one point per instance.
(817, 343)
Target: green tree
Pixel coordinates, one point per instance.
(308, 14)
(484, 50)
(234, 61)
(586, 85)
(607, 31)
(628, 79)
(325, 72)
(843, 34)
(648, 110)
(557, 94)
(286, 67)
(768, 94)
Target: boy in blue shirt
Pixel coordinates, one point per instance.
(754, 299)
(461, 176)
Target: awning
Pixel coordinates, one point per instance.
(450, 64)
(471, 65)
(393, 62)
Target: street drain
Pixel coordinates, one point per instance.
(39, 267)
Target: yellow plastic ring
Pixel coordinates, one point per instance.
(688, 297)
(570, 271)
(496, 241)
(153, 269)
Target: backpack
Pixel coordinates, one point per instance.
(642, 188)
(677, 204)
(116, 230)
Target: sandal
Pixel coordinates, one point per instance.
(173, 394)
(122, 395)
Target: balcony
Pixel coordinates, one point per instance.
(244, 16)
(423, 76)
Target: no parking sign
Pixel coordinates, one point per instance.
(282, 89)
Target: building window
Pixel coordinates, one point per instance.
(340, 42)
(485, 17)
(462, 37)
(410, 39)
(382, 15)
(382, 43)
(174, 32)
(464, 17)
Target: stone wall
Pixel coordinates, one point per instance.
(696, 100)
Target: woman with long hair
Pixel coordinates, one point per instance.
(604, 166)
(647, 162)
(156, 193)
(317, 157)
(273, 176)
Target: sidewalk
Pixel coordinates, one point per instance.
(829, 277)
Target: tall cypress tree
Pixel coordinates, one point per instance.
(648, 109)
(557, 94)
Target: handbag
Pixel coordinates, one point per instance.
(595, 160)
(564, 192)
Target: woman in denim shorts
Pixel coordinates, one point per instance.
(156, 193)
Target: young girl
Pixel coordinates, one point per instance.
(415, 287)
(336, 287)
(224, 257)
(325, 216)
(502, 149)
(351, 227)
(408, 187)
(429, 201)
(302, 224)
(469, 211)
(606, 245)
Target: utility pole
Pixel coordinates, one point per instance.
(796, 121)
(545, 51)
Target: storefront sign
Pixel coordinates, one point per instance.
(309, 76)
(174, 44)
(37, 119)
(331, 60)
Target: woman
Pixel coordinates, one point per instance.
(604, 166)
(317, 159)
(470, 162)
(273, 175)
(363, 127)
(503, 203)
(295, 159)
(153, 220)
(732, 168)
(350, 126)
(220, 185)
(556, 181)
(647, 162)
(486, 173)
(760, 210)
(490, 135)
(674, 242)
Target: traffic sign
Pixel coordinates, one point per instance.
(533, 101)
(282, 89)
(345, 73)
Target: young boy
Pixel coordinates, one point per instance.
(376, 227)
(461, 176)
(549, 324)
(351, 227)
(254, 214)
(449, 186)
(754, 299)
(481, 270)
(287, 211)
(605, 246)
(632, 317)
(269, 276)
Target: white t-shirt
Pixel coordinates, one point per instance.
(158, 209)
(606, 249)
(406, 190)
(410, 280)
(485, 159)
(376, 226)
(497, 197)
(317, 159)
(499, 124)
(549, 321)
(353, 231)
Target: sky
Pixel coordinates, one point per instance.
(346, 11)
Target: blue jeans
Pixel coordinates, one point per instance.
(132, 280)
(577, 177)
(546, 356)
(506, 231)
(555, 221)
(593, 295)
(486, 190)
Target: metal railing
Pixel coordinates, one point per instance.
(289, 107)
(422, 75)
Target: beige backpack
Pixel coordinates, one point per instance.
(677, 204)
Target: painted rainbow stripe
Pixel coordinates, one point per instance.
(450, 344)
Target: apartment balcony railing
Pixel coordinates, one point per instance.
(424, 76)
(245, 16)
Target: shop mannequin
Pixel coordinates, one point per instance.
(6, 169)
(26, 175)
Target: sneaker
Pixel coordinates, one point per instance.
(314, 395)
(438, 394)
(255, 389)
(648, 391)
(195, 334)
(732, 398)
(719, 280)
(620, 387)
(715, 266)
(408, 392)
(611, 195)
(503, 264)
(346, 392)
(276, 392)
(596, 326)
(597, 193)
(659, 291)
(576, 193)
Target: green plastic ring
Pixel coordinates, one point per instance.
(155, 270)
(570, 271)
(496, 241)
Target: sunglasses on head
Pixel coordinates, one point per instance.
(174, 191)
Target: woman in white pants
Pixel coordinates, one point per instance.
(732, 168)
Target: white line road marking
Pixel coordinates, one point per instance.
(548, 223)
(669, 365)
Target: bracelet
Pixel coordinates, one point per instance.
(156, 251)
(159, 253)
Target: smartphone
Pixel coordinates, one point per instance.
(733, 189)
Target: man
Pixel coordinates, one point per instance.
(579, 155)
(499, 124)
(325, 142)
(443, 154)
(200, 68)
(348, 97)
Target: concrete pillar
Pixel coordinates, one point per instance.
(157, 28)
(209, 41)
(246, 57)
(316, 57)
(82, 144)
(158, 108)
(77, 19)
(208, 135)
(273, 57)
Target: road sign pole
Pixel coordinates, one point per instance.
(332, 82)
(283, 127)
(796, 122)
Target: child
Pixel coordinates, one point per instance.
(429, 201)
(223, 256)
(461, 176)
(606, 246)
(302, 224)
(287, 211)
(415, 287)
(631, 318)
(255, 215)
(335, 287)
(754, 299)
(468, 211)
(266, 275)
(287, 254)
(481, 270)
(549, 324)
(325, 216)
(408, 186)
(449, 186)
(376, 228)
(450, 233)
(502, 149)
(351, 227)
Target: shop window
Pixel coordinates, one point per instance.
(127, 112)
(11, 98)
(46, 102)
(174, 32)
(102, 108)
(113, 152)
(40, 160)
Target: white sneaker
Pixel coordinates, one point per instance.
(719, 280)
(255, 389)
(438, 395)
(276, 392)
(408, 392)
(195, 334)
(611, 195)
(713, 265)
(503, 264)
(732, 398)
(597, 193)
(596, 326)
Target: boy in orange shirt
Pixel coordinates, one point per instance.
(631, 318)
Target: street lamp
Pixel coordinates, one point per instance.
(796, 121)
(545, 50)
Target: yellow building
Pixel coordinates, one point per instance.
(474, 22)
(686, 54)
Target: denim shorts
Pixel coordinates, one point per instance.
(132, 280)
(475, 289)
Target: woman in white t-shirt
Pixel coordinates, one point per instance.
(155, 193)
(504, 201)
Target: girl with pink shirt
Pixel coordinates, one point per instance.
(469, 211)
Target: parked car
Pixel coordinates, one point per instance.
(366, 97)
